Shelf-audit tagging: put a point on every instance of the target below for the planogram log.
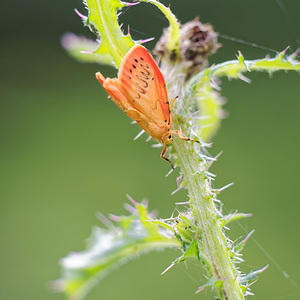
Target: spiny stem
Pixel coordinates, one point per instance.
(211, 240)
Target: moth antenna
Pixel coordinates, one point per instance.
(162, 155)
(171, 104)
(180, 135)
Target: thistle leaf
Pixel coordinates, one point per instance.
(234, 217)
(114, 44)
(82, 49)
(173, 42)
(251, 276)
(204, 86)
(111, 45)
(191, 251)
(112, 246)
(235, 68)
(209, 103)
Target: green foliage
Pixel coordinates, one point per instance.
(209, 103)
(112, 44)
(82, 49)
(199, 232)
(173, 29)
(203, 88)
(103, 17)
(235, 68)
(124, 237)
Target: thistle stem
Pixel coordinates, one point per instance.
(211, 240)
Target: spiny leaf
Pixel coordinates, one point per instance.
(112, 45)
(212, 282)
(103, 16)
(111, 247)
(82, 48)
(251, 276)
(234, 217)
(209, 103)
(204, 86)
(235, 68)
(173, 43)
(191, 251)
(240, 246)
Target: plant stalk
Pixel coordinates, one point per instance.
(211, 240)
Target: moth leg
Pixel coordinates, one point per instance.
(162, 155)
(171, 103)
(180, 135)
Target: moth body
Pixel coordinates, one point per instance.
(140, 91)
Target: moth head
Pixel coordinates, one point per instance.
(167, 138)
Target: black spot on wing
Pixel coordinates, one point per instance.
(142, 76)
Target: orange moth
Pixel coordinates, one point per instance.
(140, 91)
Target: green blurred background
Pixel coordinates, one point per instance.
(67, 151)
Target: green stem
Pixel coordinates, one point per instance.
(211, 240)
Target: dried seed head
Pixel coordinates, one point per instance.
(197, 41)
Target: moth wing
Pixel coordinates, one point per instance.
(144, 85)
(115, 91)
